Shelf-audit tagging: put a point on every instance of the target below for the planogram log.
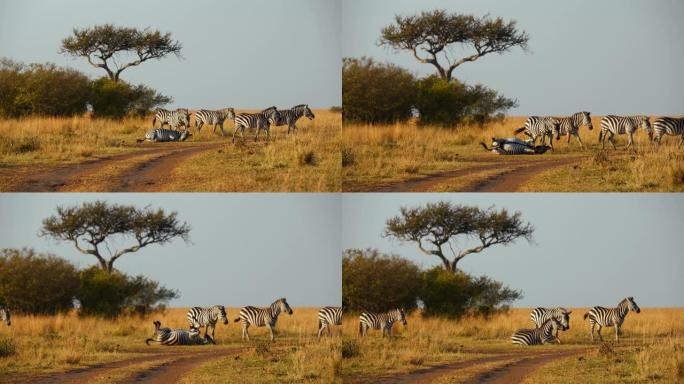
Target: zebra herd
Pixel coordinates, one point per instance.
(260, 121)
(543, 127)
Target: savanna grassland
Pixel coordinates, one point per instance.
(651, 349)
(407, 157)
(68, 343)
(89, 154)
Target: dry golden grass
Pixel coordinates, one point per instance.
(64, 342)
(425, 342)
(377, 154)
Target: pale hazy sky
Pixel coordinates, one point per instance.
(247, 249)
(244, 54)
(590, 249)
(609, 56)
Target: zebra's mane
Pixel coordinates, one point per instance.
(299, 106)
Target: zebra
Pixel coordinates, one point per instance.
(515, 146)
(5, 315)
(609, 317)
(168, 336)
(163, 134)
(173, 119)
(612, 125)
(260, 121)
(541, 126)
(263, 317)
(540, 315)
(290, 116)
(215, 118)
(537, 336)
(199, 317)
(668, 126)
(570, 125)
(382, 321)
(328, 316)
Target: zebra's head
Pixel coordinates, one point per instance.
(283, 306)
(586, 120)
(5, 316)
(229, 113)
(632, 305)
(220, 311)
(400, 315)
(564, 319)
(646, 125)
(555, 128)
(308, 113)
(185, 134)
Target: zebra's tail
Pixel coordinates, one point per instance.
(519, 130)
(485, 146)
(139, 140)
(360, 328)
(600, 135)
(236, 320)
(148, 341)
(586, 315)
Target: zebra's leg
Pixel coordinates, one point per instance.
(592, 331)
(617, 332)
(598, 332)
(245, 332)
(681, 140)
(612, 140)
(237, 127)
(630, 139)
(579, 140)
(320, 330)
(270, 328)
(256, 138)
(223, 133)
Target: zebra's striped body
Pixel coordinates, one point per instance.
(163, 134)
(174, 119)
(5, 315)
(168, 336)
(215, 118)
(610, 317)
(570, 125)
(668, 126)
(199, 317)
(328, 316)
(382, 321)
(515, 146)
(612, 125)
(263, 317)
(540, 315)
(541, 126)
(290, 116)
(537, 336)
(259, 121)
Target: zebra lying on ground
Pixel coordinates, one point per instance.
(328, 316)
(260, 121)
(5, 315)
(515, 146)
(163, 134)
(612, 125)
(263, 317)
(537, 336)
(290, 116)
(668, 126)
(199, 317)
(540, 315)
(382, 321)
(570, 125)
(610, 317)
(173, 119)
(215, 118)
(541, 126)
(168, 336)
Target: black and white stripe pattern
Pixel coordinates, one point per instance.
(328, 316)
(259, 121)
(541, 126)
(263, 317)
(163, 134)
(610, 317)
(290, 116)
(199, 317)
(174, 119)
(168, 336)
(5, 315)
(540, 315)
(570, 125)
(515, 146)
(215, 118)
(382, 321)
(668, 126)
(537, 336)
(612, 125)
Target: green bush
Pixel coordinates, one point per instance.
(146, 296)
(456, 294)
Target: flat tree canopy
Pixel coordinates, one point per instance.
(102, 45)
(433, 36)
(95, 228)
(437, 228)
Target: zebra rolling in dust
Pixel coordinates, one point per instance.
(168, 336)
(515, 146)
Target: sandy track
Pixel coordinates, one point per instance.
(516, 372)
(171, 373)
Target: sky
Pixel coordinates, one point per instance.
(245, 249)
(606, 57)
(236, 53)
(589, 249)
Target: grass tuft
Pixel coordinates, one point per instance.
(7, 347)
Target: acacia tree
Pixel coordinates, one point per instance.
(103, 44)
(95, 228)
(437, 228)
(433, 36)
